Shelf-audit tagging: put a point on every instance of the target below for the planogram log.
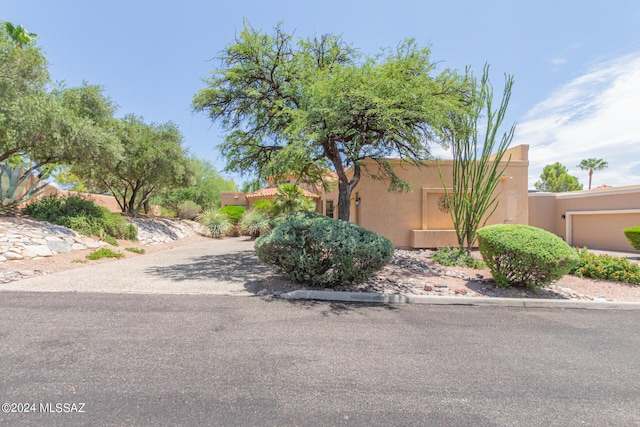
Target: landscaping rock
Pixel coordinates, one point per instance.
(59, 246)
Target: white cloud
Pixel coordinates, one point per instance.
(595, 115)
(558, 61)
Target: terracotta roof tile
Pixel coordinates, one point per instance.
(272, 192)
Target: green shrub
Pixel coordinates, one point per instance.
(110, 240)
(51, 208)
(82, 224)
(103, 253)
(216, 222)
(264, 206)
(320, 251)
(521, 255)
(290, 216)
(455, 256)
(234, 213)
(633, 236)
(254, 223)
(606, 267)
(83, 216)
(131, 233)
(188, 210)
(135, 250)
(167, 213)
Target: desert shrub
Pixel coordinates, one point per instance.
(188, 210)
(633, 236)
(320, 251)
(216, 222)
(455, 256)
(83, 216)
(83, 224)
(521, 255)
(51, 208)
(167, 212)
(103, 253)
(264, 206)
(135, 250)
(606, 267)
(234, 213)
(290, 216)
(254, 223)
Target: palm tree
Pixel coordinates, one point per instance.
(592, 165)
(291, 198)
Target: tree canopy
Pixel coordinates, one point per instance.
(41, 125)
(152, 158)
(299, 107)
(555, 178)
(204, 189)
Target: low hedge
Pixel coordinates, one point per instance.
(521, 255)
(234, 213)
(319, 251)
(633, 236)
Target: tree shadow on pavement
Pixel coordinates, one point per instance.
(341, 308)
(231, 267)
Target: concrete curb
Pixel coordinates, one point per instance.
(365, 297)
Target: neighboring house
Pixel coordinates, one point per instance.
(593, 218)
(417, 219)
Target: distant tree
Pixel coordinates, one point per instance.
(253, 185)
(555, 178)
(301, 107)
(591, 165)
(204, 187)
(476, 174)
(152, 158)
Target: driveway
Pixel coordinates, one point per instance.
(214, 267)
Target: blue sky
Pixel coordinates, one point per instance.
(576, 63)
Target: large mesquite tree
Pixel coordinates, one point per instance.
(302, 106)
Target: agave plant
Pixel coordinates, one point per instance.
(17, 185)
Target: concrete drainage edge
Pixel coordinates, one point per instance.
(365, 297)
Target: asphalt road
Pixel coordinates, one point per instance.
(248, 361)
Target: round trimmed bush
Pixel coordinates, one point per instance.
(521, 255)
(319, 251)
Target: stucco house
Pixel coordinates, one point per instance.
(594, 218)
(417, 219)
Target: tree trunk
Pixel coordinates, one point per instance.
(590, 175)
(344, 201)
(345, 188)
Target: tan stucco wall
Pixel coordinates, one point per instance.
(233, 198)
(594, 218)
(414, 219)
(542, 212)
